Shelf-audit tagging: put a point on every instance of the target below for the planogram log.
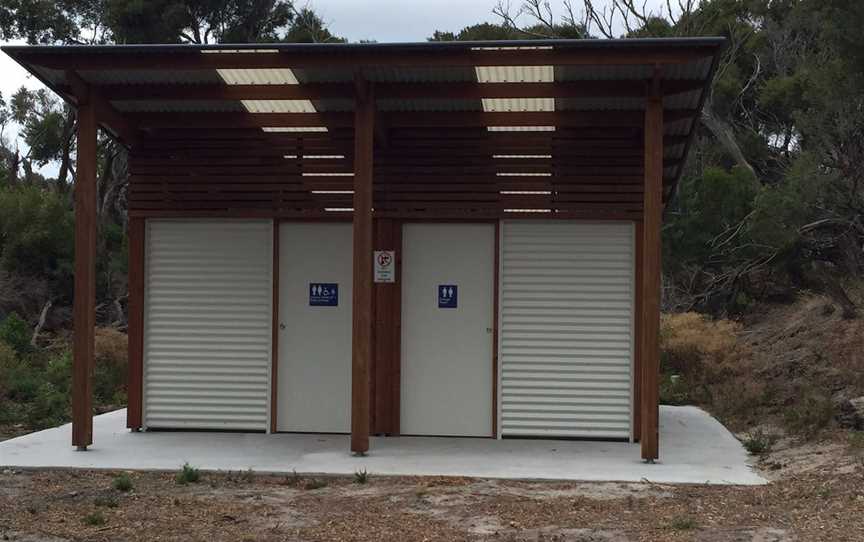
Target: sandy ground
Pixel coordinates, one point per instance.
(818, 494)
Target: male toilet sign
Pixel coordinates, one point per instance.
(385, 266)
(323, 294)
(448, 296)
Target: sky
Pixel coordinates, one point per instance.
(379, 20)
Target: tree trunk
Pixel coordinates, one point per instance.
(43, 315)
(725, 136)
(65, 156)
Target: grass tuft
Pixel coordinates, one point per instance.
(314, 483)
(94, 519)
(187, 475)
(106, 502)
(683, 523)
(122, 482)
(361, 477)
(759, 442)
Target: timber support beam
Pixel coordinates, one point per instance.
(84, 303)
(651, 269)
(106, 116)
(362, 329)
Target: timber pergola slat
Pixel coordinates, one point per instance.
(403, 91)
(436, 119)
(380, 134)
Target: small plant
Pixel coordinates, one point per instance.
(187, 475)
(248, 475)
(361, 477)
(122, 482)
(106, 502)
(759, 442)
(674, 390)
(293, 479)
(314, 483)
(94, 519)
(683, 523)
(810, 415)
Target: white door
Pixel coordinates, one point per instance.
(566, 328)
(207, 324)
(447, 336)
(314, 370)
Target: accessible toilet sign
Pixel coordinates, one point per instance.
(323, 294)
(385, 266)
(448, 296)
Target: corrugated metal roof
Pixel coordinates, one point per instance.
(441, 47)
(690, 70)
(261, 76)
(388, 74)
(143, 77)
(697, 70)
(518, 104)
(515, 74)
(279, 106)
(292, 129)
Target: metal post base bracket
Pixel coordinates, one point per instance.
(359, 454)
(81, 448)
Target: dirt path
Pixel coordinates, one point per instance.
(825, 502)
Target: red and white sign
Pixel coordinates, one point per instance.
(385, 266)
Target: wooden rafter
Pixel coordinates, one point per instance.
(106, 115)
(422, 119)
(400, 91)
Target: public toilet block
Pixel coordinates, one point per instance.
(439, 239)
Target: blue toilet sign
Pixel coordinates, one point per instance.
(448, 296)
(323, 294)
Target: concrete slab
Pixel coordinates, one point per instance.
(694, 448)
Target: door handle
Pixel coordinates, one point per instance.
(488, 330)
(281, 325)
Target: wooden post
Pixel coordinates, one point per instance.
(135, 377)
(361, 343)
(84, 305)
(652, 218)
(385, 366)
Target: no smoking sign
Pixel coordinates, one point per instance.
(385, 266)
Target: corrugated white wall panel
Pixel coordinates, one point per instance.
(566, 327)
(207, 324)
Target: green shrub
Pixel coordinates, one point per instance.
(106, 502)
(49, 408)
(674, 390)
(759, 442)
(122, 482)
(187, 475)
(16, 333)
(314, 483)
(683, 523)
(109, 374)
(50, 403)
(18, 380)
(94, 519)
(810, 415)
